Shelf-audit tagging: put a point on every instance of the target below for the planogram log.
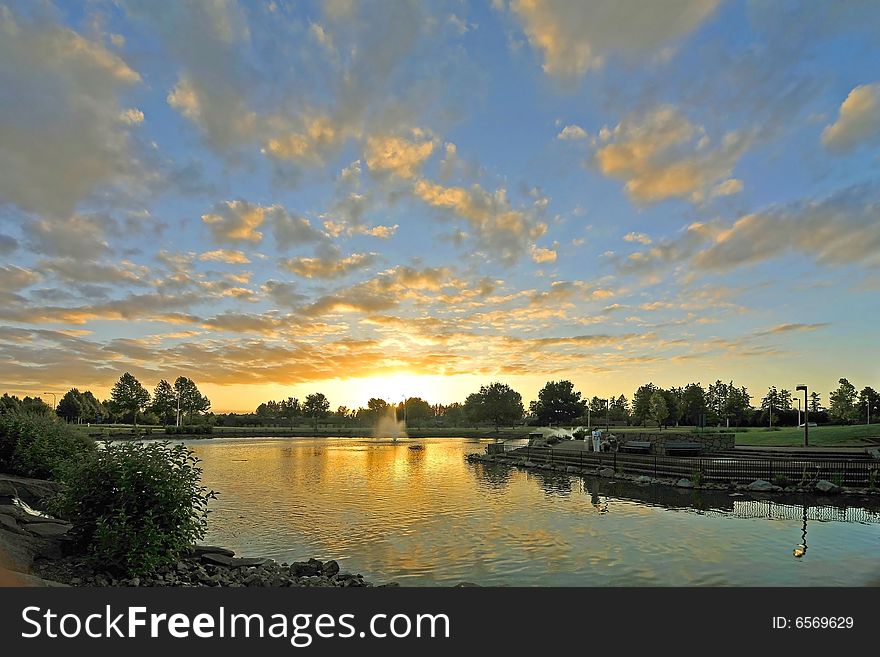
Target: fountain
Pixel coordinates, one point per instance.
(389, 426)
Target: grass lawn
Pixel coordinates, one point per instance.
(823, 436)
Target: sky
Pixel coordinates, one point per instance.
(388, 199)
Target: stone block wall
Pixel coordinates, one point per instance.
(710, 442)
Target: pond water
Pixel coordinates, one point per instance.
(425, 517)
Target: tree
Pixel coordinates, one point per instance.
(415, 411)
(130, 396)
(496, 402)
(316, 406)
(815, 402)
(71, 406)
(164, 401)
(454, 415)
(672, 397)
(619, 409)
(658, 408)
(291, 409)
(693, 404)
(785, 401)
(558, 402)
(190, 400)
(642, 403)
(843, 402)
(869, 404)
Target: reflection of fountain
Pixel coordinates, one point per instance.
(389, 426)
(801, 549)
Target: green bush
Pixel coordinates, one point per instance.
(135, 506)
(781, 481)
(39, 445)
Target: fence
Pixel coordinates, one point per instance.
(844, 472)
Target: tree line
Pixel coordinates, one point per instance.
(496, 404)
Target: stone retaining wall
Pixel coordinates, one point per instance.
(710, 442)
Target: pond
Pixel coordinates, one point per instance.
(424, 516)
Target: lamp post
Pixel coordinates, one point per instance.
(806, 416)
(54, 402)
(608, 415)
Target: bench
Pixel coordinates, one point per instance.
(637, 446)
(683, 449)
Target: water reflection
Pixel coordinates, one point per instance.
(428, 517)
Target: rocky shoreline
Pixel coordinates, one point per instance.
(34, 552)
(820, 487)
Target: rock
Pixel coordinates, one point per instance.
(825, 486)
(33, 492)
(643, 479)
(304, 569)
(199, 550)
(8, 522)
(606, 472)
(231, 562)
(49, 529)
(762, 486)
(684, 483)
(331, 568)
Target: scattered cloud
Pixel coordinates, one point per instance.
(227, 256)
(661, 155)
(402, 157)
(236, 221)
(858, 121)
(330, 264)
(641, 238)
(576, 37)
(572, 132)
(61, 132)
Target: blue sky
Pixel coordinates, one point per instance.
(389, 198)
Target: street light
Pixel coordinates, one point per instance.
(806, 415)
(54, 403)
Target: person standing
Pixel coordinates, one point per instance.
(597, 439)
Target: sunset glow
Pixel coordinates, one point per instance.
(280, 198)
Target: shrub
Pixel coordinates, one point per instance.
(39, 445)
(135, 506)
(697, 478)
(781, 481)
(190, 429)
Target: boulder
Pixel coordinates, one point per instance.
(331, 568)
(49, 529)
(606, 472)
(33, 492)
(232, 562)
(825, 486)
(762, 486)
(684, 483)
(199, 550)
(304, 569)
(643, 479)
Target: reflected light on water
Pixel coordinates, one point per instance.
(426, 516)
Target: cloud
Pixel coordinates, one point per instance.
(575, 37)
(402, 157)
(13, 277)
(61, 132)
(641, 238)
(543, 256)
(792, 328)
(132, 116)
(236, 221)
(230, 257)
(838, 230)
(661, 155)
(292, 230)
(79, 270)
(572, 132)
(7, 244)
(79, 236)
(841, 229)
(858, 122)
(329, 264)
(499, 229)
